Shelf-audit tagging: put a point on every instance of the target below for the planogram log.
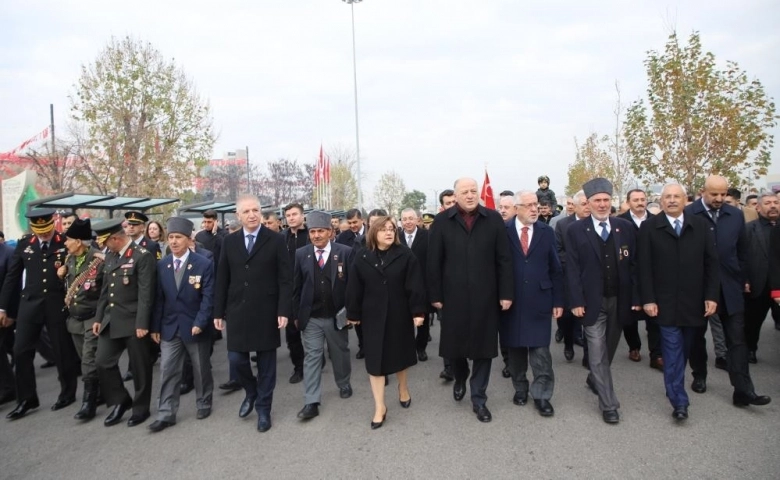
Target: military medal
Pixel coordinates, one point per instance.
(87, 285)
(126, 280)
(57, 264)
(340, 268)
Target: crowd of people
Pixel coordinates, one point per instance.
(495, 279)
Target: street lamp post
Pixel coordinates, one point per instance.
(357, 128)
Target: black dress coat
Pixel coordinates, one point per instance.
(253, 289)
(469, 272)
(678, 273)
(383, 294)
(419, 248)
(758, 235)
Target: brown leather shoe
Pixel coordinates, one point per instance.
(657, 363)
(635, 356)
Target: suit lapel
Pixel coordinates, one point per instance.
(262, 237)
(758, 229)
(592, 237)
(514, 239)
(536, 237)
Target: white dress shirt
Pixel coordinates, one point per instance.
(519, 227)
(325, 253)
(597, 227)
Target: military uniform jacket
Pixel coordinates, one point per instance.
(43, 293)
(128, 291)
(151, 246)
(83, 305)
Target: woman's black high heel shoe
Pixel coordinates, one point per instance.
(375, 425)
(404, 404)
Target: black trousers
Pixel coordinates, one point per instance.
(108, 352)
(566, 323)
(261, 387)
(756, 309)
(63, 350)
(480, 376)
(737, 356)
(631, 334)
(423, 332)
(7, 382)
(294, 345)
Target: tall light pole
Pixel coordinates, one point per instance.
(357, 128)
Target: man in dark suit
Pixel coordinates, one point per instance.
(470, 279)
(255, 275)
(182, 322)
(636, 214)
(728, 224)
(600, 273)
(356, 228)
(525, 327)
(758, 301)
(567, 324)
(41, 302)
(296, 236)
(417, 240)
(122, 322)
(7, 382)
(211, 236)
(135, 228)
(678, 267)
(319, 285)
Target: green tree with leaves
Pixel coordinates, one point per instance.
(414, 199)
(698, 119)
(145, 129)
(592, 159)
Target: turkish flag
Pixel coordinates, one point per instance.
(487, 194)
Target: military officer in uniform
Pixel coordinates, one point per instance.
(40, 298)
(83, 281)
(122, 322)
(136, 226)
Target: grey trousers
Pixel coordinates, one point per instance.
(541, 365)
(603, 338)
(718, 336)
(318, 332)
(171, 367)
(86, 346)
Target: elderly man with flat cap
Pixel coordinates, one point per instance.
(40, 298)
(181, 323)
(83, 282)
(135, 228)
(123, 321)
(319, 287)
(602, 286)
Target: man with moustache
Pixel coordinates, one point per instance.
(758, 301)
(256, 276)
(728, 225)
(636, 214)
(600, 272)
(678, 267)
(470, 279)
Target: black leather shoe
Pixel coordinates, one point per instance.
(568, 355)
(22, 408)
(610, 416)
(483, 414)
(591, 385)
(579, 341)
(263, 423)
(297, 377)
(360, 355)
(128, 376)
(752, 357)
(231, 386)
(721, 363)
(246, 406)
(585, 362)
(137, 419)
(520, 399)
(447, 375)
(680, 413)
(745, 399)
(309, 411)
(116, 414)
(777, 325)
(544, 407)
(253, 358)
(62, 403)
(203, 413)
(160, 425)
(422, 356)
(7, 397)
(375, 425)
(404, 403)
(185, 388)
(459, 391)
(345, 392)
(699, 385)
(558, 336)
(506, 373)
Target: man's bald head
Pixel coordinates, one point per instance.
(466, 195)
(716, 182)
(714, 193)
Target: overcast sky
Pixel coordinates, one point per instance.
(445, 87)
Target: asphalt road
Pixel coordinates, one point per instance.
(435, 438)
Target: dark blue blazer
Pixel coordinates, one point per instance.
(584, 279)
(191, 305)
(538, 288)
(340, 259)
(731, 242)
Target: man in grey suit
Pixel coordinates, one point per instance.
(319, 285)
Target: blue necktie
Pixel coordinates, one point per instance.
(604, 232)
(250, 243)
(677, 227)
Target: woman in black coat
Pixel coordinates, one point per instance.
(386, 295)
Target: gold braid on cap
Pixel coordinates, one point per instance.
(101, 239)
(40, 226)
